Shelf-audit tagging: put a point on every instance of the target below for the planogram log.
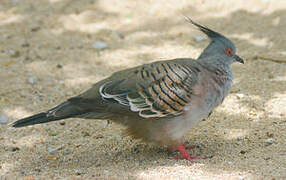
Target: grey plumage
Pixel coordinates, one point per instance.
(157, 102)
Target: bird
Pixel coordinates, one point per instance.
(157, 102)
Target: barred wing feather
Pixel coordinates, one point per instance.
(160, 90)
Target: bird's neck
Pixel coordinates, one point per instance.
(218, 67)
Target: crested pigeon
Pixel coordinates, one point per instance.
(157, 102)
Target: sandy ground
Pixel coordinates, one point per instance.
(47, 55)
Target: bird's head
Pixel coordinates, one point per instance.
(220, 46)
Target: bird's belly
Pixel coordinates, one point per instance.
(179, 126)
(165, 130)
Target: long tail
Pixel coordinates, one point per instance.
(65, 110)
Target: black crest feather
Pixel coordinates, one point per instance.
(210, 33)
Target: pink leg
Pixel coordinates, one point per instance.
(186, 155)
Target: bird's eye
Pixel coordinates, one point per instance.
(228, 51)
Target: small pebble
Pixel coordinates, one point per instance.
(121, 36)
(135, 150)
(239, 95)
(27, 58)
(242, 152)
(240, 177)
(270, 76)
(14, 53)
(38, 170)
(4, 119)
(270, 141)
(59, 66)
(99, 45)
(13, 149)
(270, 135)
(25, 44)
(35, 29)
(52, 150)
(31, 79)
(62, 123)
(52, 158)
(66, 151)
(85, 134)
(200, 38)
(78, 172)
(98, 136)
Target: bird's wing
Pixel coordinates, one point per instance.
(153, 90)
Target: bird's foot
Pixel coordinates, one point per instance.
(184, 154)
(173, 148)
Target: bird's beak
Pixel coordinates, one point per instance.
(239, 59)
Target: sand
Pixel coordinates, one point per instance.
(47, 55)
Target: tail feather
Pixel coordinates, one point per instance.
(36, 119)
(65, 110)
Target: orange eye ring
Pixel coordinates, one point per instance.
(228, 51)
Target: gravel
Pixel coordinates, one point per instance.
(4, 119)
(100, 45)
